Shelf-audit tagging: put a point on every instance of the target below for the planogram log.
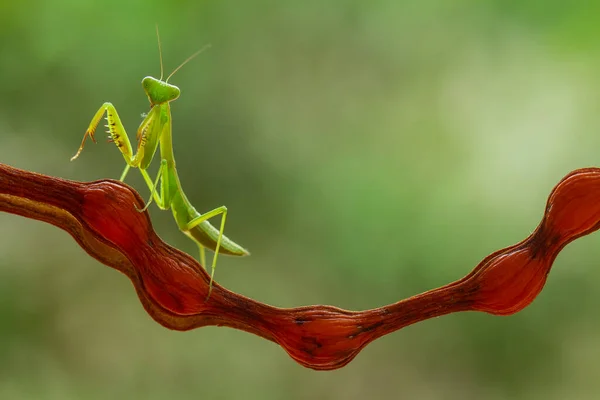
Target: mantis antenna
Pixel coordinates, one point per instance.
(206, 47)
(159, 53)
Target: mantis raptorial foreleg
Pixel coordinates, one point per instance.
(116, 130)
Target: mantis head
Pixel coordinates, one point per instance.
(159, 91)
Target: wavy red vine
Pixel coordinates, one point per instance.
(172, 286)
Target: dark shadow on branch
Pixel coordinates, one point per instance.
(172, 286)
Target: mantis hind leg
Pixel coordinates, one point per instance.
(202, 250)
(198, 220)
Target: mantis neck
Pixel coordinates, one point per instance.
(166, 141)
(173, 186)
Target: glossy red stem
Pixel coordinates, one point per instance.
(172, 286)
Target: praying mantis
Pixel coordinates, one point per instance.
(155, 131)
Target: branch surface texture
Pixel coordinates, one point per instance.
(172, 285)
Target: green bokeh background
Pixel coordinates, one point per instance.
(367, 151)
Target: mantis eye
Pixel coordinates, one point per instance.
(147, 82)
(176, 92)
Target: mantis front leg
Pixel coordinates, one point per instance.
(117, 133)
(119, 137)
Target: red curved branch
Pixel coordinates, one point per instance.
(172, 286)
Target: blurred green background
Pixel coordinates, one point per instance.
(367, 151)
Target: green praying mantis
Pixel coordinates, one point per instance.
(154, 131)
